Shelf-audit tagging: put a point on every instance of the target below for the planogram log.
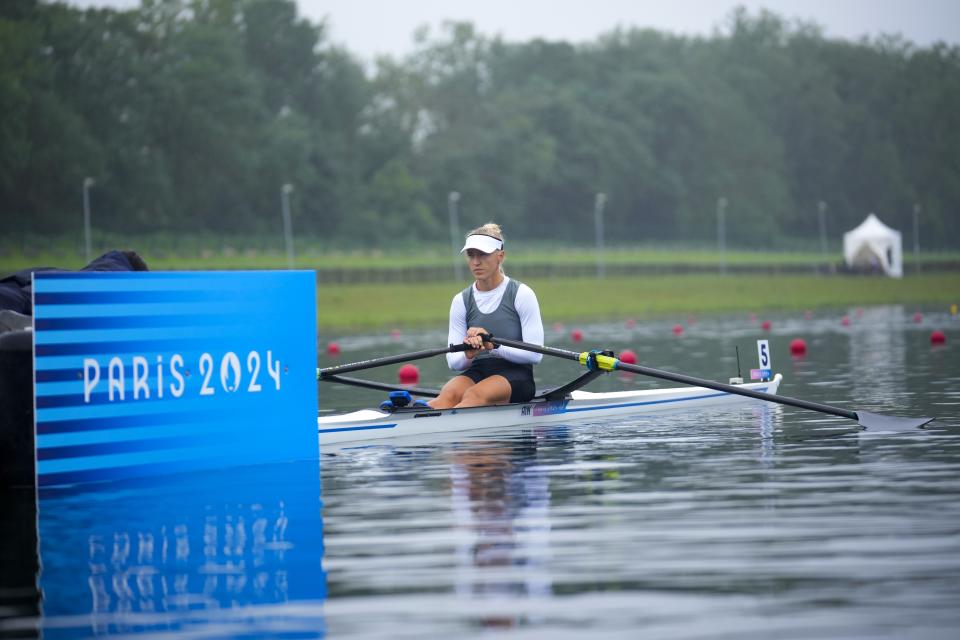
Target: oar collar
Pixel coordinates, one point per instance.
(598, 360)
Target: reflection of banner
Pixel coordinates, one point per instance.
(174, 553)
(145, 373)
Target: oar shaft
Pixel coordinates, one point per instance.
(681, 378)
(388, 360)
(536, 348)
(730, 388)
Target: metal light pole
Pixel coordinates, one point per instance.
(599, 201)
(722, 233)
(822, 223)
(916, 235)
(287, 223)
(452, 199)
(87, 183)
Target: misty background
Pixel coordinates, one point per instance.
(189, 117)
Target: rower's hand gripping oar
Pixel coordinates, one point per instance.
(605, 362)
(388, 360)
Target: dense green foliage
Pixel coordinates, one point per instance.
(191, 114)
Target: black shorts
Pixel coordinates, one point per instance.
(520, 376)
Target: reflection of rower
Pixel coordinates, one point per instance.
(501, 500)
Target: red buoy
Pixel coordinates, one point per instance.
(753, 318)
(631, 323)
(558, 327)
(766, 325)
(408, 374)
(845, 321)
(798, 346)
(627, 356)
(395, 333)
(938, 337)
(333, 349)
(678, 329)
(808, 315)
(918, 317)
(576, 335)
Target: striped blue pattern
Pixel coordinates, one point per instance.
(145, 373)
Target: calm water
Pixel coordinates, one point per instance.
(742, 523)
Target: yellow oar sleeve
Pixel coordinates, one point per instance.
(604, 363)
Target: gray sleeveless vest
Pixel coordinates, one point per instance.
(504, 321)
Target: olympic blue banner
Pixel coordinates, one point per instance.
(145, 373)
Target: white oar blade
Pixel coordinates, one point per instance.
(877, 422)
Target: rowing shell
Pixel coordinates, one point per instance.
(373, 424)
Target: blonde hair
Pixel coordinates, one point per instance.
(493, 230)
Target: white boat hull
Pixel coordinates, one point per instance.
(373, 424)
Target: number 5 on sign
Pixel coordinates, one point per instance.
(765, 372)
(763, 350)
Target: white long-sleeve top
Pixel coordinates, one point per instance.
(528, 308)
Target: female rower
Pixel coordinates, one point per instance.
(498, 305)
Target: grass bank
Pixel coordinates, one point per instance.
(230, 256)
(369, 307)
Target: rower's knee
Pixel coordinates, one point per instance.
(440, 402)
(473, 397)
(447, 398)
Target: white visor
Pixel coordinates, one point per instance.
(487, 244)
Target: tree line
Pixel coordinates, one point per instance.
(189, 115)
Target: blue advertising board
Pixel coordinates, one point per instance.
(143, 373)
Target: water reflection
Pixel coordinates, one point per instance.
(757, 521)
(878, 357)
(170, 553)
(501, 501)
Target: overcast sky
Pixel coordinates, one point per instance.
(371, 27)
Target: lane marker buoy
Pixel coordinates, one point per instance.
(408, 374)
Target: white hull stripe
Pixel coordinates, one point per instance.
(361, 428)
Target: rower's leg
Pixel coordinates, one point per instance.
(451, 393)
(492, 390)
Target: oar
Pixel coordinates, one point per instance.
(388, 360)
(608, 363)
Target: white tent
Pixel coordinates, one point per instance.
(874, 245)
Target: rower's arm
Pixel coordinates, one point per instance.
(458, 328)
